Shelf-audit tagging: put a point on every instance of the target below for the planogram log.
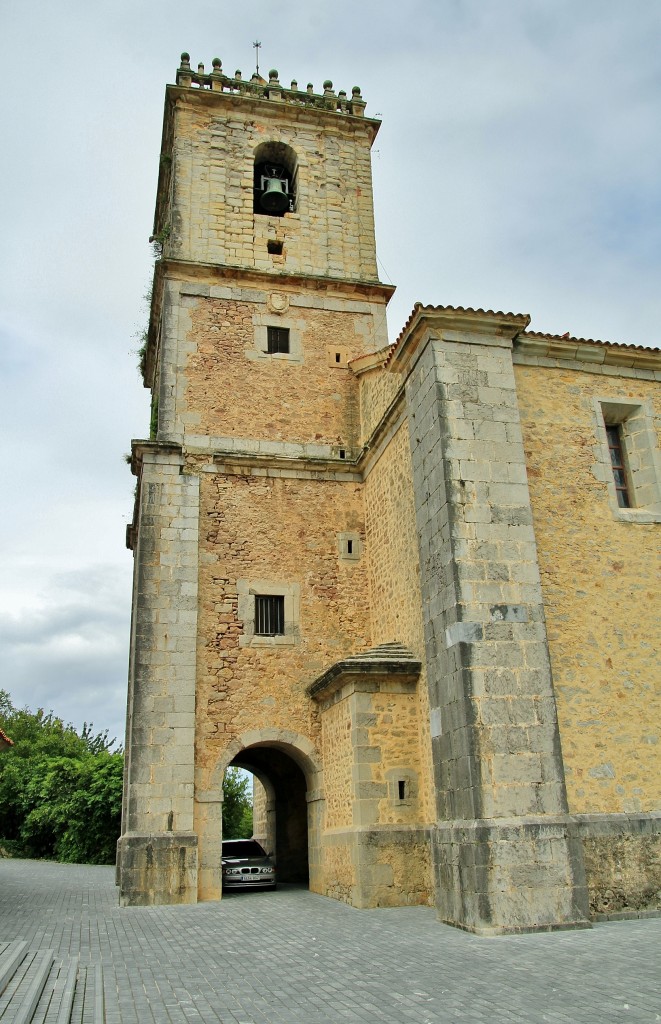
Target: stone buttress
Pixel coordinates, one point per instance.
(505, 855)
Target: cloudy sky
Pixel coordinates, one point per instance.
(518, 168)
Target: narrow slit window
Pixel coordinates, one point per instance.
(616, 451)
(277, 339)
(401, 789)
(269, 615)
(338, 357)
(350, 547)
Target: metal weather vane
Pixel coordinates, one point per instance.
(257, 46)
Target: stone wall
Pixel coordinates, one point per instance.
(600, 582)
(284, 531)
(238, 389)
(622, 863)
(396, 611)
(378, 391)
(338, 756)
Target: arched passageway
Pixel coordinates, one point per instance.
(281, 822)
(288, 767)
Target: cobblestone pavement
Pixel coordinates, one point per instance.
(291, 957)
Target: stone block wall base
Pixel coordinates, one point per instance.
(381, 866)
(157, 868)
(622, 854)
(498, 879)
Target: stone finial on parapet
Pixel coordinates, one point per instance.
(184, 75)
(216, 75)
(357, 102)
(258, 88)
(330, 99)
(274, 90)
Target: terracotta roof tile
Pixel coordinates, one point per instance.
(419, 307)
(587, 341)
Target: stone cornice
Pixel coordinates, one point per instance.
(218, 88)
(366, 669)
(370, 361)
(583, 350)
(345, 470)
(427, 322)
(171, 453)
(168, 268)
(194, 270)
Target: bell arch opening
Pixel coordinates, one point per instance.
(275, 172)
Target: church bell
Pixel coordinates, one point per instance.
(274, 198)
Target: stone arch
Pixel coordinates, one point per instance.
(268, 753)
(299, 748)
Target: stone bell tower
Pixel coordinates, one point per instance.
(248, 527)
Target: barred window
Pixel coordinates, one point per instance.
(277, 339)
(269, 615)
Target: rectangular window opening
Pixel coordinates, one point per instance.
(401, 789)
(338, 357)
(350, 547)
(616, 451)
(269, 615)
(277, 339)
(275, 248)
(343, 453)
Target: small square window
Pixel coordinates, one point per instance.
(277, 339)
(269, 615)
(349, 546)
(274, 248)
(270, 612)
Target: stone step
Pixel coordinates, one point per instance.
(12, 955)
(36, 989)
(25, 987)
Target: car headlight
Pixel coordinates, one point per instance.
(268, 870)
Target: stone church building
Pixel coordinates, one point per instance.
(411, 586)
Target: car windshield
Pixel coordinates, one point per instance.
(242, 848)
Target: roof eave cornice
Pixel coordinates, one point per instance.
(587, 350)
(441, 322)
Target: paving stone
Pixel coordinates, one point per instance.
(292, 957)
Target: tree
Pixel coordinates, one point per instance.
(237, 805)
(60, 791)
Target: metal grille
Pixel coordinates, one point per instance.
(277, 339)
(614, 435)
(269, 615)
